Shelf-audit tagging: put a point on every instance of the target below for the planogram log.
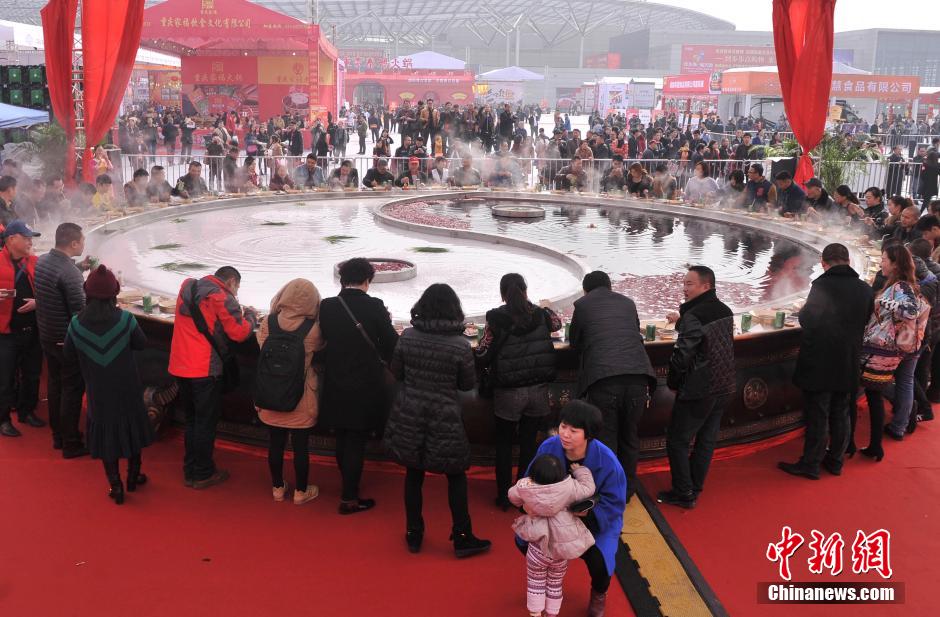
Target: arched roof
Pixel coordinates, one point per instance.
(417, 23)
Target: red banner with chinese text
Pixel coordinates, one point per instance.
(882, 87)
(187, 21)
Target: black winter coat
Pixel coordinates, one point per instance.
(354, 394)
(425, 429)
(930, 289)
(605, 328)
(833, 321)
(702, 361)
(118, 426)
(524, 355)
(59, 295)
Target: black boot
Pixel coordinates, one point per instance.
(466, 544)
(113, 472)
(414, 538)
(598, 604)
(134, 477)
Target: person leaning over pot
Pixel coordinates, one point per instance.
(425, 431)
(576, 444)
(359, 337)
(208, 321)
(517, 347)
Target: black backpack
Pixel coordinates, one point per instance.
(282, 372)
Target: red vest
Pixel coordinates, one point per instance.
(8, 281)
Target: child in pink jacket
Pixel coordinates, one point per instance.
(554, 534)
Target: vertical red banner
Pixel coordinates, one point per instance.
(58, 27)
(110, 39)
(803, 42)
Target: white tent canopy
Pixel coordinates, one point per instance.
(431, 60)
(510, 73)
(29, 36)
(13, 117)
(656, 81)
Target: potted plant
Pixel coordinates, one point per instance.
(838, 159)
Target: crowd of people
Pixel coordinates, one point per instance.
(450, 145)
(339, 363)
(347, 365)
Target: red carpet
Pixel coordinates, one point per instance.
(67, 551)
(747, 500)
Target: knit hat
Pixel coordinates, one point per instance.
(102, 284)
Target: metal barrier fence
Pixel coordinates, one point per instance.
(524, 172)
(895, 178)
(892, 178)
(889, 140)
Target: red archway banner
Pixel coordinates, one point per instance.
(58, 30)
(110, 39)
(803, 40)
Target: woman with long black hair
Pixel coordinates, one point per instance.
(892, 346)
(517, 348)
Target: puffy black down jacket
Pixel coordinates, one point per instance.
(425, 429)
(59, 295)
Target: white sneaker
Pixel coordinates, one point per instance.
(309, 495)
(279, 492)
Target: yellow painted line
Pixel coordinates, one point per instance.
(667, 579)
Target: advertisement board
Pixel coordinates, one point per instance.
(500, 92)
(702, 83)
(642, 95)
(881, 87)
(206, 99)
(165, 87)
(602, 61)
(711, 58)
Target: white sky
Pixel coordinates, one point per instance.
(850, 14)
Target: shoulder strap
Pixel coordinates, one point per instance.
(305, 328)
(200, 322)
(363, 332)
(274, 325)
(358, 323)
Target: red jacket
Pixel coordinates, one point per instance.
(191, 355)
(8, 281)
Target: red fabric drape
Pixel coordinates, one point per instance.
(58, 29)
(803, 40)
(110, 39)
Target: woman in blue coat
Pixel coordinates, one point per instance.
(576, 442)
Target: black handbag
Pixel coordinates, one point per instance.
(231, 372)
